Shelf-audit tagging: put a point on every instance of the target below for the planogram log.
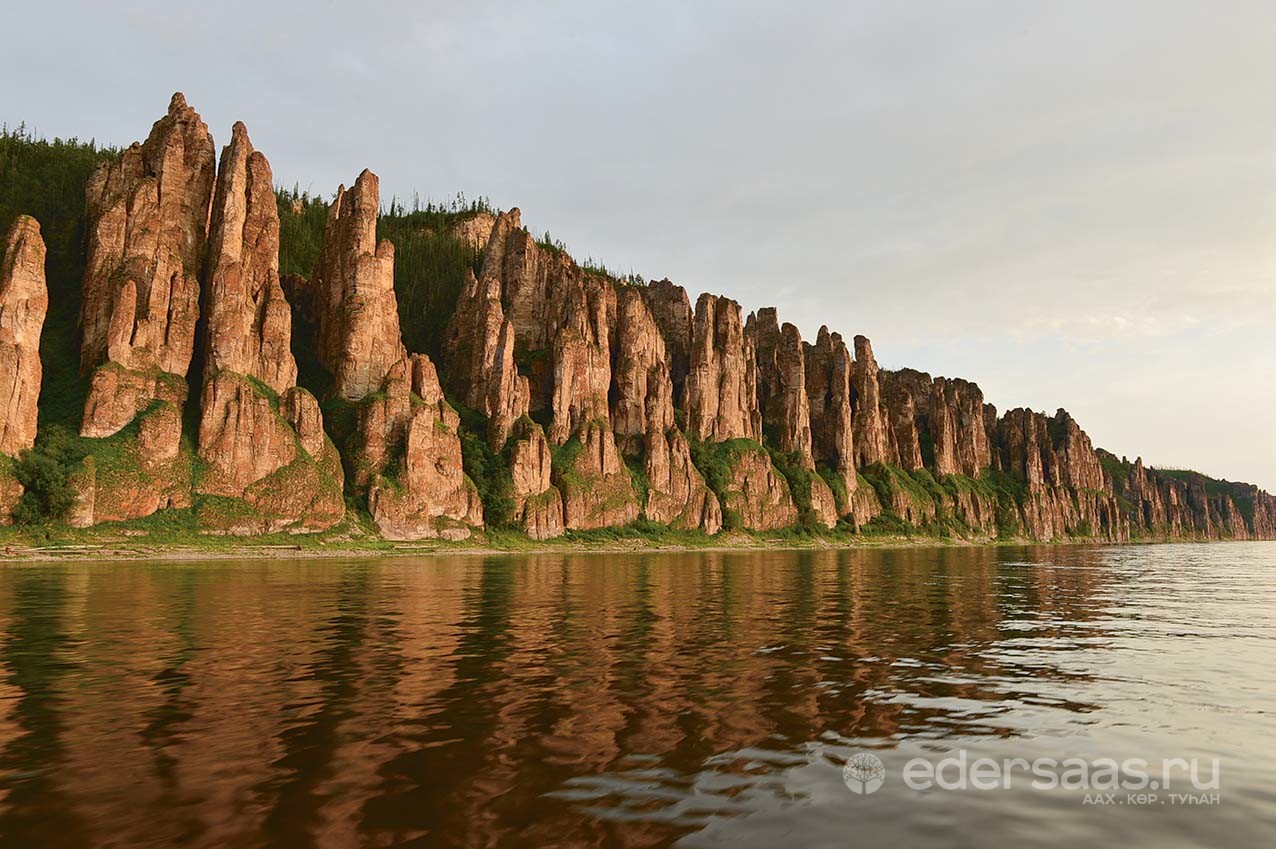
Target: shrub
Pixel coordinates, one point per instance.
(45, 474)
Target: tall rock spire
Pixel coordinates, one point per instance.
(353, 282)
(268, 450)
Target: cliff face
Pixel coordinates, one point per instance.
(428, 495)
(577, 401)
(353, 286)
(24, 301)
(147, 226)
(250, 438)
(644, 422)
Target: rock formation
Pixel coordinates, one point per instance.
(24, 300)
(721, 391)
(828, 389)
(643, 422)
(480, 350)
(248, 436)
(786, 411)
(147, 223)
(147, 226)
(597, 489)
(538, 505)
(781, 383)
(601, 400)
(756, 496)
(249, 320)
(417, 488)
(582, 357)
(148, 219)
(871, 432)
(671, 309)
(1066, 494)
(137, 475)
(353, 286)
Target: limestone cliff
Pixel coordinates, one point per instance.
(24, 301)
(147, 224)
(577, 400)
(248, 435)
(411, 458)
(353, 288)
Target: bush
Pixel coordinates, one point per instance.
(45, 474)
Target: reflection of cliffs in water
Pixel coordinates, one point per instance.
(317, 704)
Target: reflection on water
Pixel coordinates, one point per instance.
(627, 700)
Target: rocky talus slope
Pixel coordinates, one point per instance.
(555, 396)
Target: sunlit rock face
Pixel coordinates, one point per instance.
(353, 286)
(417, 486)
(721, 390)
(147, 219)
(255, 445)
(24, 302)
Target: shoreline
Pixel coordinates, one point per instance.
(116, 553)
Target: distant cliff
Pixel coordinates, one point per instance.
(240, 359)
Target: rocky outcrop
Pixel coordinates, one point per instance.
(479, 348)
(418, 488)
(828, 389)
(147, 222)
(677, 494)
(755, 495)
(147, 226)
(1065, 492)
(268, 454)
(535, 281)
(24, 301)
(135, 474)
(900, 412)
(597, 488)
(248, 442)
(782, 384)
(643, 389)
(249, 320)
(353, 289)
(538, 505)
(643, 422)
(582, 357)
(474, 230)
(872, 434)
(721, 391)
(671, 309)
(1187, 505)
(786, 411)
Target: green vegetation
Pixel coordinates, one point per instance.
(716, 461)
(799, 479)
(45, 474)
(489, 470)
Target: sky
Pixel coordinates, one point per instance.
(1073, 204)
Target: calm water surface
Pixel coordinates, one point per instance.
(705, 699)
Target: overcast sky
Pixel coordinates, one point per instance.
(1073, 204)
